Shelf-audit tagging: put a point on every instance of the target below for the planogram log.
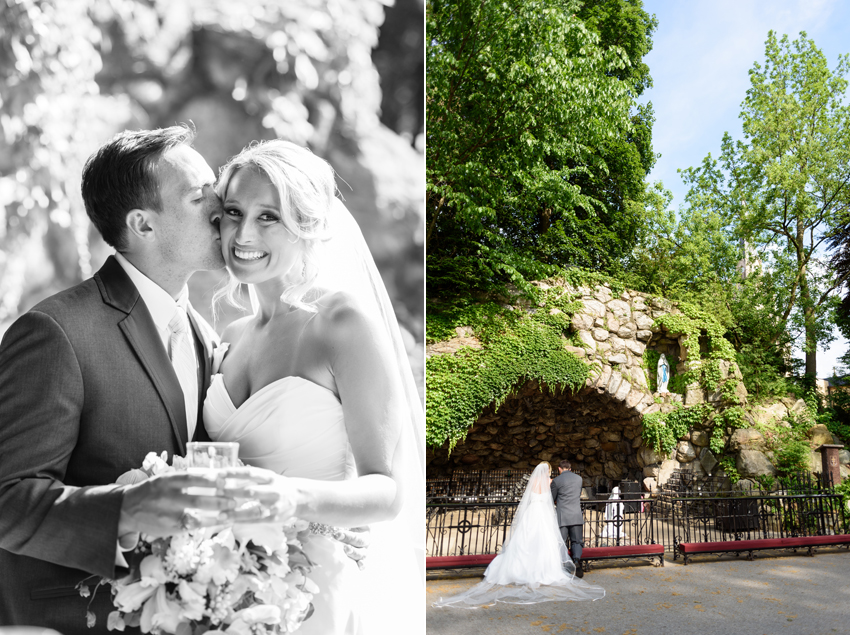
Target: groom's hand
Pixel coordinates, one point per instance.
(158, 506)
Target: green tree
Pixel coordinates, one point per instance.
(625, 24)
(534, 160)
(681, 255)
(785, 185)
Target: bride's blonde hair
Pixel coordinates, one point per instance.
(306, 188)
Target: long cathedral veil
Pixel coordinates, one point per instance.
(395, 562)
(534, 565)
(345, 262)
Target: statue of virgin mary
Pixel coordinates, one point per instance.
(663, 373)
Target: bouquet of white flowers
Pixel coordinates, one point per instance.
(239, 580)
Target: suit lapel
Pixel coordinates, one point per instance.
(204, 346)
(138, 327)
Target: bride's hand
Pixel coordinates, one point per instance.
(355, 543)
(267, 496)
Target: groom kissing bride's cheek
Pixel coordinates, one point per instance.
(313, 385)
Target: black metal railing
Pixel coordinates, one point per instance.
(612, 523)
(471, 514)
(721, 519)
(711, 509)
(683, 482)
(464, 529)
(497, 486)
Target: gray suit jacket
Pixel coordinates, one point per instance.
(86, 390)
(566, 492)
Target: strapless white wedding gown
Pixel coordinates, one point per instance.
(296, 428)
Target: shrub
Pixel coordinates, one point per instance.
(793, 456)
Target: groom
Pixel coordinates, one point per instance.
(566, 492)
(95, 377)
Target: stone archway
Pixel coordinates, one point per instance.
(598, 427)
(594, 429)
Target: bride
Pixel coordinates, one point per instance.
(316, 387)
(534, 565)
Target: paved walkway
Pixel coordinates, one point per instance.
(784, 594)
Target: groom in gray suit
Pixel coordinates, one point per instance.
(566, 492)
(88, 386)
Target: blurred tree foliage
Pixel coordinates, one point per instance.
(48, 62)
(74, 72)
(536, 153)
(400, 61)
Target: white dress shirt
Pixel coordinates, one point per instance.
(159, 302)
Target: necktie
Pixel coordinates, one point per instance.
(183, 360)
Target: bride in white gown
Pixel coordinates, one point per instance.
(534, 565)
(316, 387)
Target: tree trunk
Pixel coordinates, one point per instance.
(433, 222)
(811, 349)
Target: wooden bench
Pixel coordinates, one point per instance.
(626, 552)
(588, 553)
(454, 562)
(739, 546)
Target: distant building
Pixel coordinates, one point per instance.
(830, 385)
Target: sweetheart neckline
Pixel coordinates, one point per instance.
(268, 385)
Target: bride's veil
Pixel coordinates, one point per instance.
(395, 559)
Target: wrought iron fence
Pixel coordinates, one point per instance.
(612, 523)
(715, 519)
(694, 509)
(496, 486)
(465, 529)
(684, 482)
(471, 513)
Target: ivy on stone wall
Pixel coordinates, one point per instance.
(727, 463)
(650, 367)
(526, 341)
(691, 323)
(662, 431)
(577, 277)
(717, 441)
(519, 344)
(441, 324)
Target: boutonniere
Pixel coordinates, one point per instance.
(218, 356)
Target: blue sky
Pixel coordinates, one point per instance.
(702, 51)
